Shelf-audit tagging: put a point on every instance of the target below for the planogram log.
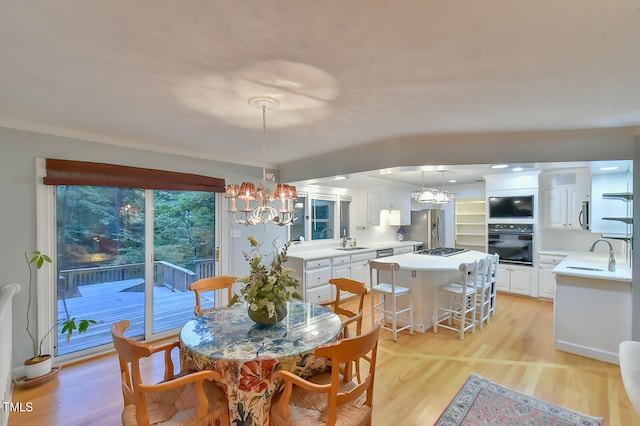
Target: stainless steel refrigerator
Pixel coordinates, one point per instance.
(427, 226)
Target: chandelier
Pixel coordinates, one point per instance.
(432, 195)
(263, 212)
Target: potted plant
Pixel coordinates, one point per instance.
(40, 364)
(267, 289)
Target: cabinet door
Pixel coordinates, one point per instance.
(342, 271)
(547, 282)
(520, 280)
(503, 283)
(373, 208)
(555, 208)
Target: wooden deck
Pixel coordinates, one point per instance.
(118, 300)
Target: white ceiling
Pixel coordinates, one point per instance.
(176, 76)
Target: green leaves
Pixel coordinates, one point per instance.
(38, 259)
(266, 287)
(70, 326)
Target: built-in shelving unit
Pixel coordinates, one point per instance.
(471, 223)
(627, 197)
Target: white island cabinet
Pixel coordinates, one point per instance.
(592, 308)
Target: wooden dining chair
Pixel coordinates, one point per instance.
(334, 397)
(217, 285)
(182, 399)
(345, 288)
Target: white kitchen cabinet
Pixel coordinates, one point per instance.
(360, 267)
(367, 208)
(314, 276)
(341, 267)
(471, 224)
(514, 279)
(563, 195)
(546, 278)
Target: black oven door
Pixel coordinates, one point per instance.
(513, 248)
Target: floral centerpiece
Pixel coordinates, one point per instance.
(267, 289)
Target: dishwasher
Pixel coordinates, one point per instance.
(384, 253)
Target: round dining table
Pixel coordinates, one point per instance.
(247, 354)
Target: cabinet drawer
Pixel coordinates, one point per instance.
(317, 277)
(550, 259)
(318, 263)
(319, 294)
(363, 257)
(341, 260)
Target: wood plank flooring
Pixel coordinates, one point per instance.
(416, 377)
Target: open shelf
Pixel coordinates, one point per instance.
(625, 196)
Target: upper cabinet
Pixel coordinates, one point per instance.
(564, 194)
(367, 207)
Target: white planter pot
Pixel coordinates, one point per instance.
(35, 370)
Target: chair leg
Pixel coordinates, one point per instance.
(395, 319)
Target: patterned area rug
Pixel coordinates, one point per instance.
(482, 402)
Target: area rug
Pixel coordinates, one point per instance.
(483, 402)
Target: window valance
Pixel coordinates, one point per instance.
(68, 172)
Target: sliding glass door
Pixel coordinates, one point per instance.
(130, 254)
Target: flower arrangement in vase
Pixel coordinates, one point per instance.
(267, 289)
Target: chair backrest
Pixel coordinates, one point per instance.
(469, 274)
(343, 355)
(484, 273)
(129, 354)
(629, 354)
(354, 287)
(376, 268)
(493, 267)
(214, 284)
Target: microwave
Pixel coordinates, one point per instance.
(511, 207)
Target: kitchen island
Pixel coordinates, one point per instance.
(592, 306)
(424, 274)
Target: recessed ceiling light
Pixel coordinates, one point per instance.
(339, 177)
(500, 166)
(608, 169)
(517, 169)
(452, 181)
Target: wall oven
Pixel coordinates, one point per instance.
(512, 242)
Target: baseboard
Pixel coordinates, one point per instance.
(589, 352)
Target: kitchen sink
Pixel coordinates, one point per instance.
(351, 248)
(584, 268)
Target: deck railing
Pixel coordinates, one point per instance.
(167, 274)
(6, 295)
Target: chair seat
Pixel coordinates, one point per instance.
(177, 407)
(385, 288)
(457, 288)
(309, 408)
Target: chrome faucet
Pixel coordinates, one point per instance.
(612, 260)
(344, 238)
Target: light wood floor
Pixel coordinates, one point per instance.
(416, 377)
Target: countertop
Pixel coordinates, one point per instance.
(334, 251)
(422, 262)
(591, 260)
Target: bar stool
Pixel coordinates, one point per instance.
(483, 292)
(493, 273)
(393, 291)
(462, 302)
